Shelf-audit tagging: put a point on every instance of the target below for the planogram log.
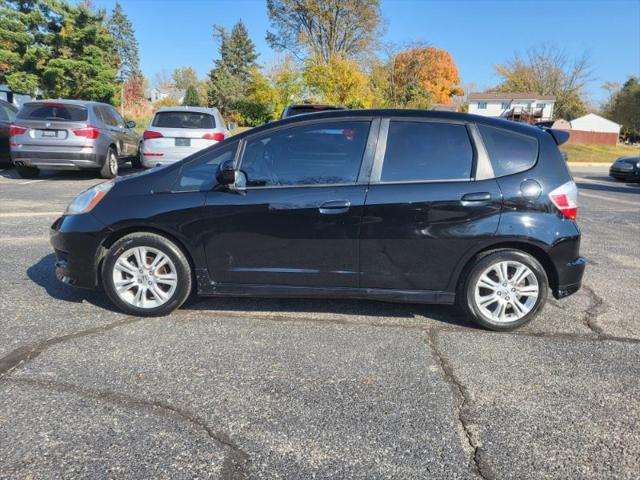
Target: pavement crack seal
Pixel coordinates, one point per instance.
(596, 308)
(24, 354)
(461, 405)
(236, 460)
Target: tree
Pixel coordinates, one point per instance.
(125, 43)
(237, 51)
(341, 82)
(184, 77)
(324, 29)
(133, 92)
(232, 72)
(191, 97)
(548, 71)
(287, 83)
(624, 107)
(60, 48)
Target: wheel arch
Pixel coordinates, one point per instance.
(535, 251)
(116, 235)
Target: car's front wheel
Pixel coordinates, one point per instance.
(504, 290)
(146, 274)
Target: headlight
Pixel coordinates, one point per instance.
(88, 199)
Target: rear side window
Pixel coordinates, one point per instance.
(427, 151)
(326, 153)
(193, 120)
(510, 152)
(59, 112)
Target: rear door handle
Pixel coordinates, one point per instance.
(335, 207)
(476, 198)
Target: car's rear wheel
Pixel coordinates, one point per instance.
(27, 172)
(504, 290)
(110, 167)
(136, 161)
(146, 274)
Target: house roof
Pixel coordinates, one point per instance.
(508, 96)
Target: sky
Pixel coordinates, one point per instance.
(477, 33)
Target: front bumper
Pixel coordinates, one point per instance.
(57, 160)
(77, 243)
(625, 174)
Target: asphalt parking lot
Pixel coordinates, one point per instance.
(242, 388)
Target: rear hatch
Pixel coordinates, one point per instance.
(52, 125)
(182, 131)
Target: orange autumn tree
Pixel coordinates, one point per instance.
(423, 76)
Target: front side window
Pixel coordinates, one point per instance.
(199, 174)
(427, 151)
(193, 120)
(106, 116)
(117, 117)
(510, 152)
(482, 105)
(326, 153)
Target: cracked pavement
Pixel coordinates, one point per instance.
(252, 388)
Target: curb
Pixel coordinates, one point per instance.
(589, 164)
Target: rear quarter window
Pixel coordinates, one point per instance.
(53, 111)
(510, 152)
(192, 120)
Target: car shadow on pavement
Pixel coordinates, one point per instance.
(43, 274)
(613, 188)
(56, 175)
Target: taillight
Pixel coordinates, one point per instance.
(214, 136)
(149, 134)
(565, 198)
(89, 132)
(16, 130)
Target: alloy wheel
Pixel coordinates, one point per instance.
(506, 291)
(145, 277)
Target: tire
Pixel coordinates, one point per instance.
(520, 307)
(136, 162)
(27, 172)
(110, 167)
(136, 298)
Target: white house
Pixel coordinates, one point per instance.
(156, 94)
(528, 107)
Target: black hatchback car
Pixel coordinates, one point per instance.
(394, 205)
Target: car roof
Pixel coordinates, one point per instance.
(188, 109)
(316, 105)
(418, 114)
(81, 103)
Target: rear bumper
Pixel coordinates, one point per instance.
(154, 155)
(570, 278)
(57, 160)
(77, 243)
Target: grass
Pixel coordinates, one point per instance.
(598, 153)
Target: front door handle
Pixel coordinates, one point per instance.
(335, 207)
(476, 198)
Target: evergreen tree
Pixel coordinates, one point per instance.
(125, 43)
(191, 97)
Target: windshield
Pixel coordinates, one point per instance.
(194, 120)
(53, 111)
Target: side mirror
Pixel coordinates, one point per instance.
(131, 124)
(232, 126)
(226, 174)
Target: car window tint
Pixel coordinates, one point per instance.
(420, 151)
(184, 120)
(53, 111)
(510, 152)
(107, 117)
(3, 114)
(117, 117)
(328, 153)
(199, 174)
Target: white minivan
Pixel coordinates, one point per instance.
(177, 132)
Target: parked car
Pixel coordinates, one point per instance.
(626, 168)
(72, 135)
(7, 116)
(302, 108)
(177, 132)
(395, 205)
